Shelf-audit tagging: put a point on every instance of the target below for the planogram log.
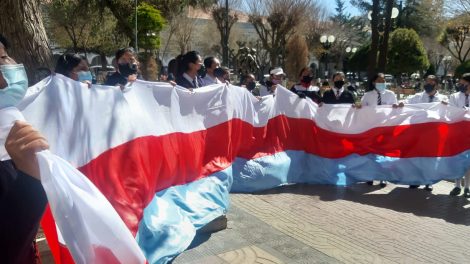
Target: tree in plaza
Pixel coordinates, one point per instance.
(458, 7)
(70, 22)
(297, 56)
(375, 7)
(455, 36)
(150, 23)
(383, 46)
(381, 25)
(341, 17)
(424, 16)
(349, 32)
(123, 10)
(276, 21)
(184, 32)
(356, 61)
(462, 68)
(225, 17)
(316, 25)
(175, 13)
(407, 52)
(81, 27)
(21, 23)
(104, 37)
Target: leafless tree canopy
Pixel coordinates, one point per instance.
(458, 7)
(276, 21)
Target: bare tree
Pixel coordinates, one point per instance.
(276, 21)
(458, 7)
(22, 25)
(184, 31)
(455, 38)
(225, 16)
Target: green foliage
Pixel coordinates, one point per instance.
(149, 24)
(80, 26)
(406, 52)
(341, 17)
(454, 39)
(431, 70)
(424, 17)
(462, 68)
(105, 38)
(358, 61)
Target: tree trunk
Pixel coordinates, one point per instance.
(372, 67)
(23, 27)
(384, 44)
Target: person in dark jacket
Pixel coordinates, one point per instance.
(304, 87)
(22, 198)
(188, 68)
(126, 68)
(338, 94)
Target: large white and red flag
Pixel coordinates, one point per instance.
(166, 158)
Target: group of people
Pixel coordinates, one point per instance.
(185, 71)
(21, 195)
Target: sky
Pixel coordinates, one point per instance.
(331, 5)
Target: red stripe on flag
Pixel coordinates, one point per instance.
(61, 253)
(129, 175)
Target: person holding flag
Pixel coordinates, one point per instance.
(461, 99)
(22, 198)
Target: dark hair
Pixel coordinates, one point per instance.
(220, 72)
(208, 62)
(304, 69)
(66, 63)
(4, 41)
(185, 60)
(337, 73)
(374, 78)
(122, 51)
(466, 76)
(172, 67)
(245, 77)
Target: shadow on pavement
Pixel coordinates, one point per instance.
(401, 199)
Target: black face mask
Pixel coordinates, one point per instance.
(462, 88)
(339, 84)
(428, 88)
(251, 85)
(126, 69)
(307, 79)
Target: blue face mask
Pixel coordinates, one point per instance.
(17, 81)
(380, 86)
(85, 76)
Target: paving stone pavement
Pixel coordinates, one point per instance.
(328, 224)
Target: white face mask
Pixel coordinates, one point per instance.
(17, 80)
(380, 86)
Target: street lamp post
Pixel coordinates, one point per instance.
(327, 42)
(136, 46)
(349, 51)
